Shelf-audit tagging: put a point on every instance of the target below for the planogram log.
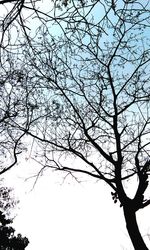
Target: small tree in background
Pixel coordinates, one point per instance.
(8, 239)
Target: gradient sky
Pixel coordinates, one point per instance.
(73, 216)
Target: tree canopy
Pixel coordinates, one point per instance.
(8, 239)
(82, 79)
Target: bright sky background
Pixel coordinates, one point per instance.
(56, 216)
(67, 216)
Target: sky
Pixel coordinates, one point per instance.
(56, 215)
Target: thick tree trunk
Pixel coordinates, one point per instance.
(133, 230)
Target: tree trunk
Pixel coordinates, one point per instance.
(133, 230)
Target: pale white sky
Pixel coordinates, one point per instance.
(69, 216)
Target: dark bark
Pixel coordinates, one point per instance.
(133, 230)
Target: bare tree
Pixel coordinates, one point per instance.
(14, 20)
(88, 97)
(17, 17)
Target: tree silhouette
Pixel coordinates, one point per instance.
(17, 15)
(87, 97)
(15, 18)
(8, 239)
